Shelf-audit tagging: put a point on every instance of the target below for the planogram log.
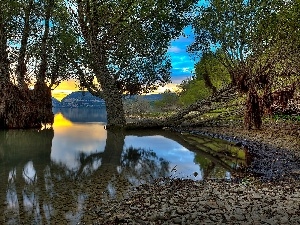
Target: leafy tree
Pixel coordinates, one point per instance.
(8, 10)
(210, 76)
(212, 71)
(194, 90)
(127, 42)
(255, 54)
(34, 37)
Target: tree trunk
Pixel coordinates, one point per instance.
(253, 113)
(114, 106)
(41, 96)
(44, 63)
(4, 63)
(111, 94)
(21, 67)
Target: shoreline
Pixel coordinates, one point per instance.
(274, 154)
(269, 193)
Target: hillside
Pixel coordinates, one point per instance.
(83, 99)
(55, 103)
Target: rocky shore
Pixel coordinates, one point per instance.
(210, 202)
(274, 150)
(269, 193)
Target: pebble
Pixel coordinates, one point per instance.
(256, 207)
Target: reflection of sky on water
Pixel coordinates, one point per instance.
(179, 158)
(29, 173)
(71, 139)
(35, 187)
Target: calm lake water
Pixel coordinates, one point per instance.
(49, 176)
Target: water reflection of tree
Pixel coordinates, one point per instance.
(21, 150)
(44, 191)
(41, 191)
(141, 165)
(216, 157)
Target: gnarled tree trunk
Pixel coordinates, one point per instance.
(112, 96)
(253, 112)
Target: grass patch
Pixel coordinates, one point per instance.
(286, 117)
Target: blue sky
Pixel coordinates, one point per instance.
(182, 62)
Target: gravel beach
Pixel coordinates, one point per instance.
(209, 202)
(269, 193)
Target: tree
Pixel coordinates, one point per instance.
(255, 54)
(210, 76)
(127, 42)
(33, 37)
(193, 90)
(214, 74)
(7, 12)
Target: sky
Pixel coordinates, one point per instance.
(182, 67)
(182, 63)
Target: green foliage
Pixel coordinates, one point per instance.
(257, 37)
(25, 27)
(134, 37)
(210, 68)
(286, 117)
(260, 46)
(194, 90)
(169, 101)
(210, 76)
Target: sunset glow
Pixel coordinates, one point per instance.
(61, 121)
(64, 88)
(67, 87)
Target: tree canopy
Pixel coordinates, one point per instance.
(127, 42)
(122, 43)
(259, 41)
(210, 76)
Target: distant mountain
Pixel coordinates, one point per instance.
(150, 98)
(55, 103)
(84, 99)
(81, 99)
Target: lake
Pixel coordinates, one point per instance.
(50, 175)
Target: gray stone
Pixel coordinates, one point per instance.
(177, 220)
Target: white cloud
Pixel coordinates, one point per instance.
(174, 49)
(186, 69)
